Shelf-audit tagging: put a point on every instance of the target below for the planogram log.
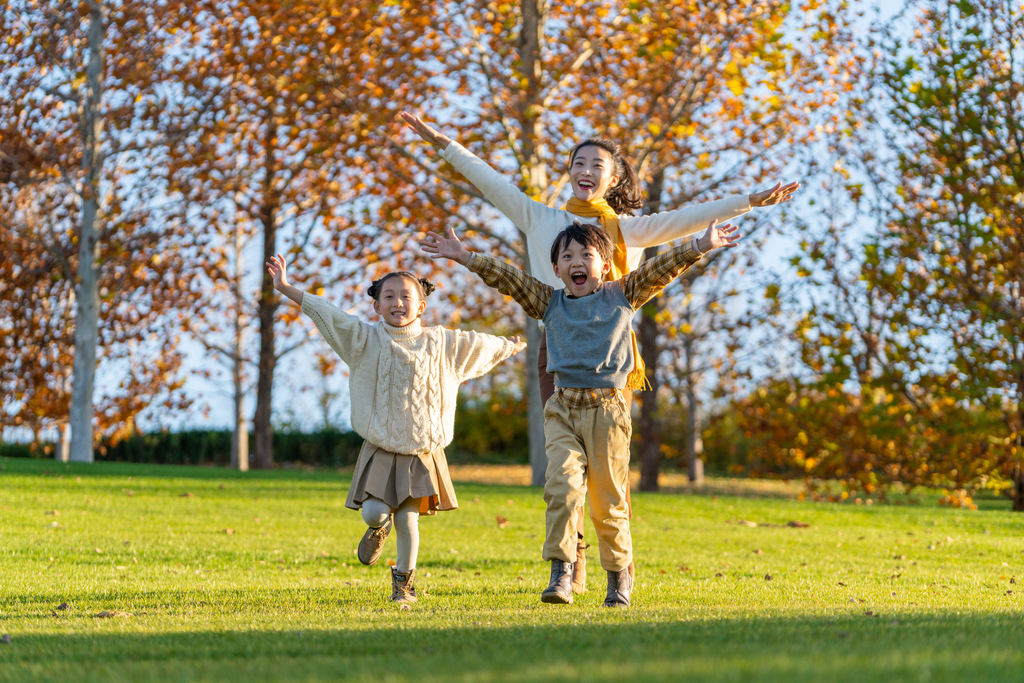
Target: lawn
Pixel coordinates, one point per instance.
(863, 593)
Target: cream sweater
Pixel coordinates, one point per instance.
(403, 381)
(541, 223)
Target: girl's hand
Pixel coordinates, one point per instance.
(446, 247)
(718, 237)
(278, 270)
(519, 342)
(776, 195)
(438, 140)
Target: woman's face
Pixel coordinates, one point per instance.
(399, 302)
(592, 173)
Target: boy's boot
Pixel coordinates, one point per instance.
(579, 570)
(559, 590)
(372, 543)
(620, 586)
(402, 589)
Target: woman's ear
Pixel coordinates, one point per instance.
(614, 182)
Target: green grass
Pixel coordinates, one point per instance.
(856, 596)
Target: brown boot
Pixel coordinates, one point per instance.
(579, 569)
(372, 543)
(402, 589)
(620, 589)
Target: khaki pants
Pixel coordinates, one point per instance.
(588, 457)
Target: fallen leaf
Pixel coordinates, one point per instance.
(510, 502)
(229, 531)
(120, 566)
(502, 522)
(187, 494)
(747, 522)
(841, 583)
(797, 524)
(5, 639)
(221, 486)
(759, 552)
(129, 493)
(1013, 579)
(662, 571)
(391, 563)
(113, 614)
(98, 551)
(899, 557)
(843, 634)
(718, 574)
(63, 605)
(403, 608)
(767, 577)
(476, 500)
(683, 568)
(53, 512)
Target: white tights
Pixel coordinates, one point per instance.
(407, 515)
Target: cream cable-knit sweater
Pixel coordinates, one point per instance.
(541, 223)
(403, 381)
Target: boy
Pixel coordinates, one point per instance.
(587, 426)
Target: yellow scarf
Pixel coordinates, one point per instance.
(610, 222)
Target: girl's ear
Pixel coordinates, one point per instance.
(422, 307)
(376, 307)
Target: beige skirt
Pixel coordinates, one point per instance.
(393, 477)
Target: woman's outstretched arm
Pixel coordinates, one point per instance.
(524, 212)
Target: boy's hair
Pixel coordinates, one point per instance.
(422, 283)
(626, 196)
(586, 235)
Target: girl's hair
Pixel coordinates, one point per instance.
(424, 285)
(626, 196)
(585, 235)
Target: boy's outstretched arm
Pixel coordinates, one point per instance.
(529, 292)
(278, 270)
(654, 275)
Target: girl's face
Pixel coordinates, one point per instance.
(592, 173)
(399, 302)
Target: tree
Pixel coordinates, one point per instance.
(672, 81)
(292, 91)
(80, 82)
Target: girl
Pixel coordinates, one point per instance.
(403, 381)
(604, 186)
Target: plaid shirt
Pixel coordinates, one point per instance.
(639, 287)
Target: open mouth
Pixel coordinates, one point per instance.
(578, 279)
(586, 184)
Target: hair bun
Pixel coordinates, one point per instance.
(427, 285)
(372, 290)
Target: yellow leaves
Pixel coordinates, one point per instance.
(276, 41)
(736, 86)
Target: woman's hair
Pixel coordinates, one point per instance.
(586, 235)
(424, 285)
(626, 196)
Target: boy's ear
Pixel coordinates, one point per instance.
(554, 266)
(605, 267)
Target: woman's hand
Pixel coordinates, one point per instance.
(718, 237)
(776, 195)
(519, 343)
(278, 270)
(446, 247)
(438, 140)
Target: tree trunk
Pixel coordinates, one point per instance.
(63, 452)
(269, 301)
(87, 297)
(649, 425)
(1018, 489)
(240, 433)
(535, 411)
(531, 105)
(694, 443)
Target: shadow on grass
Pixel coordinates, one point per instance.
(592, 645)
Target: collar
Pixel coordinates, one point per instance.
(597, 289)
(404, 333)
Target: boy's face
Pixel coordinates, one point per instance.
(581, 268)
(592, 173)
(399, 302)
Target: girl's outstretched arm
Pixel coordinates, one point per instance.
(524, 212)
